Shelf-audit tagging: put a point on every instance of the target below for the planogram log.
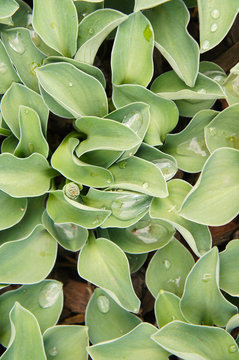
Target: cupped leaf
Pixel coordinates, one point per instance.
(65, 161)
(223, 131)
(137, 174)
(39, 252)
(24, 55)
(167, 308)
(126, 207)
(172, 36)
(144, 236)
(147, 4)
(109, 270)
(107, 320)
(44, 300)
(9, 144)
(188, 146)
(24, 326)
(170, 86)
(232, 323)
(7, 72)
(23, 16)
(18, 95)
(192, 342)
(66, 342)
(132, 54)
(229, 268)
(69, 236)
(93, 30)
(167, 271)
(8, 8)
(197, 236)
(136, 261)
(12, 210)
(15, 181)
(58, 25)
(86, 7)
(31, 139)
(231, 86)
(63, 210)
(216, 18)
(202, 301)
(215, 190)
(137, 344)
(163, 112)
(73, 89)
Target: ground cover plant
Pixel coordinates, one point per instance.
(119, 149)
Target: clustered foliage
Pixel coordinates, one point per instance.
(107, 189)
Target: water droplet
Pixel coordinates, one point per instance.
(16, 43)
(22, 209)
(53, 25)
(33, 68)
(215, 13)
(91, 31)
(72, 190)
(3, 68)
(49, 294)
(195, 145)
(84, 14)
(134, 121)
(145, 185)
(167, 263)
(212, 131)
(233, 348)
(218, 78)
(103, 304)
(173, 209)
(70, 84)
(148, 33)
(109, 181)
(35, 38)
(148, 231)
(202, 91)
(128, 207)
(123, 164)
(175, 281)
(167, 167)
(205, 45)
(206, 277)
(53, 351)
(214, 27)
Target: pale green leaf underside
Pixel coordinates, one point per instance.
(215, 191)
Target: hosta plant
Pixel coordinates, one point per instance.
(97, 144)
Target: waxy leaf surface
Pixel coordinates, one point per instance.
(167, 308)
(7, 72)
(147, 4)
(12, 210)
(229, 268)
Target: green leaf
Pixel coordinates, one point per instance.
(163, 112)
(77, 99)
(66, 342)
(147, 4)
(167, 271)
(13, 179)
(197, 236)
(32, 298)
(231, 86)
(31, 137)
(24, 55)
(12, 210)
(137, 344)
(31, 218)
(223, 130)
(136, 261)
(65, 161)
(172, 36)
(202, 301)
(232, 323)
(9, 144)
(109, 270)
(216, 18)
(188, 146)
(106, 319)
(170, 86)
(215, 190)
(24, 326)
(93, 30)
(63, 210)
(23, 16)
(8, 8)
(126, 207)
(195, 342)
(132, 54)
(57, 26)
(18, 95)
(144, 236)
(167, 308)
(229, 268)
(29, 260)
(69, 236)
(86, 7)
(7, 72)
(139, 175)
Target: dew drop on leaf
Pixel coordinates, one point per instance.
(103, 304)
(91, 31)
(53, 351)
(134, 121)
(129, 206)
(167, 263)
(232, 348)
(215, 13)
(123, 164)
(214, 27)
(145, 185)
(205, 45)
(70, 84)
(16, 43)
(49, 295)
(206, 277)
(167, 167)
